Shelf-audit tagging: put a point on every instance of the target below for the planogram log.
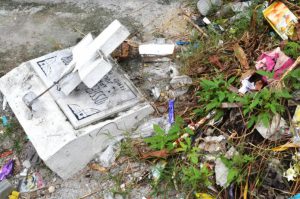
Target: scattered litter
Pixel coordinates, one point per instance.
(181, 81)
(24, 172)
(7, 170)
(109, 155)
(14, 195)
(51, 189)
(274, 61)
(160, 49)
(247, 86)
(285, 147)
(4, 121)
(97, 167)
(221, 173)
(277, 129)
(213, 143)
(156, 92)
(281, 19)
(231, 152)
(296, 117)
(241, 56)
(146, 129)
(213, 26)
(180, 84)
(171, 112)
(204, 6)
(157, 170)
(297, 196)
(240, 6)
(173, 71)
(6, 154)
(215, 60)
(4, 104)
(5, 188)
(203, 196)
(237, 7)
(182, 43)
(26, 164)
(31, 183)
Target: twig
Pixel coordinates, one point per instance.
(195, 25)
(79, 31)
(87, 195)
(291, 4)
(290, 68)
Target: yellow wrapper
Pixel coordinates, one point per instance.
(281, 19)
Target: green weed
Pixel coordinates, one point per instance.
(292, 49)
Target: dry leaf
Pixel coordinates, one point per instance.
(97, 167)
(155, 154)
(285, 147)
(241, 56)
(214, 60)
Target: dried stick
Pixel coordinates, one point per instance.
(195, 25)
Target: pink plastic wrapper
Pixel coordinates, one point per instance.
(6, 170)
(274, 60)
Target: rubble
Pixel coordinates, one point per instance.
(5, 188)
(221, 173)
(277, 129)
(109, 155)
(213, 144)
(215, 140)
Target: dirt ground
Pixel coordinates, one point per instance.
(32, 28)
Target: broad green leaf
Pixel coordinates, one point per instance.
(232, 174)
(212, 105)
(221, 96)
(251, 121)
(265, 119)
(157, 129)
(265, 73)
(231, 80)
(207, 83)
(254, 103)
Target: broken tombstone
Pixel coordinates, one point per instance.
(156, 51)
(73, 128)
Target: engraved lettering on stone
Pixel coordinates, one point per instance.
(45, 65)
(82, 113)
(67, 60)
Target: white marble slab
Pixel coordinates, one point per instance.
(112, 94)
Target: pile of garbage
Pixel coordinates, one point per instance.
(239, 133)
(227, 122)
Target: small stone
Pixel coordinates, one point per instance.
(108, 157)
(51, 189)
(26, 164)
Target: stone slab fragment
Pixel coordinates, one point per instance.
(83, 106)
(89, 56)
(63, 149)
